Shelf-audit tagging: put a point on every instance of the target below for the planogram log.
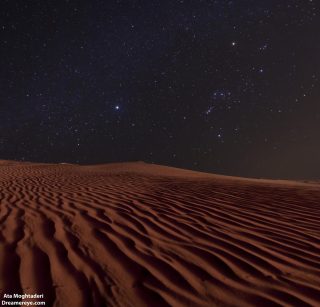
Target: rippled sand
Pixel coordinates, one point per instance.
(134, 234)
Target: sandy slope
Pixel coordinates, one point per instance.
(143, 235)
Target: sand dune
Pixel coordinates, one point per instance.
(144, 235)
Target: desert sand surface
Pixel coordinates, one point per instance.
(135, 234)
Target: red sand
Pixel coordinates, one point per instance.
(135, 234)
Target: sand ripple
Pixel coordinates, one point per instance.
(144, 235)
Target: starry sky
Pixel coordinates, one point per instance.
(229, 87)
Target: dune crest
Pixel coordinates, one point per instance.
(135, 234)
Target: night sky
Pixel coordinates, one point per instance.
(229, 87)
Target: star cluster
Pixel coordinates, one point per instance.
(229, 87)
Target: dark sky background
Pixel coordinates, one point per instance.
(229, 87)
